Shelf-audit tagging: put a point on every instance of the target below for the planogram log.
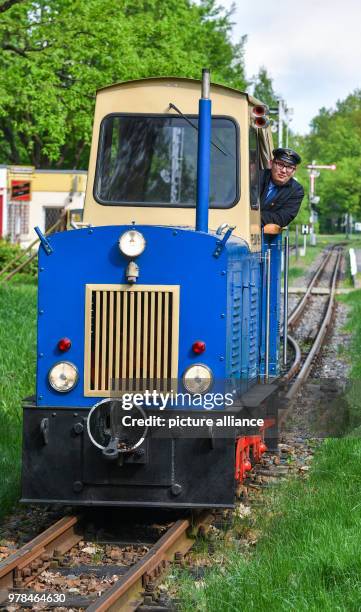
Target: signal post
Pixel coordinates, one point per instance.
(313, 171)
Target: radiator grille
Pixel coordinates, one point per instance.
(131, 338)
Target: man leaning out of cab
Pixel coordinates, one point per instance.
(281, 194)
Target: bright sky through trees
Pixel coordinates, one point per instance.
(311, 49)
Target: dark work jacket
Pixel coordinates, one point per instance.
(286, 203)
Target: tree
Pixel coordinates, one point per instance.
(54, 54)
(336, 138)
(263, 88)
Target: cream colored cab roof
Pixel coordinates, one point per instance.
(153, 96)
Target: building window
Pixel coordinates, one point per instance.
(52, 215)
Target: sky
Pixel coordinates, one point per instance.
(311, 49)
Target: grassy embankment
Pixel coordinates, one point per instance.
(17, 379)
(308, 553)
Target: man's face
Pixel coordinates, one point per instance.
(281, 172)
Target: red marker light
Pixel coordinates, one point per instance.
(259, 110)
(198, 347)
(64, 344)
(261, 122)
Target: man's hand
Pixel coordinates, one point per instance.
(272, 228)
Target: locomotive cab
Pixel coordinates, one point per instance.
(153, 303)
(143, 161)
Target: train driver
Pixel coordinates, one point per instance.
(281, 194)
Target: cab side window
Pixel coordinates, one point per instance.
(254, 178)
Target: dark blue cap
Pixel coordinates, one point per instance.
(287, 155)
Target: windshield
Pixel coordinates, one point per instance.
(152, 161)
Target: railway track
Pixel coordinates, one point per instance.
(298, 312)
(131, 587)
(302, 364)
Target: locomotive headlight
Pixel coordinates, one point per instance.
(197, 378)
(63, 376)
(132, 243)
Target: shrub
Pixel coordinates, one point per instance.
(9, 252)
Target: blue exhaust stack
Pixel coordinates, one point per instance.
(204, 154)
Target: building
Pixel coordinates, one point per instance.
(31, 197)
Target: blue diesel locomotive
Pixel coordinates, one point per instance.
(144, 303)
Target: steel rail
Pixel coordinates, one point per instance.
(23, 566)
(126, 594)
(304, 371)
(297, 312)
(296, 364)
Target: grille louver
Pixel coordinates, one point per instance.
(131, 338)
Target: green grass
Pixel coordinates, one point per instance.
(353, 300)
(308, 554)
(17, 379)
(298, 267)
(353, 325)
(308, 557)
